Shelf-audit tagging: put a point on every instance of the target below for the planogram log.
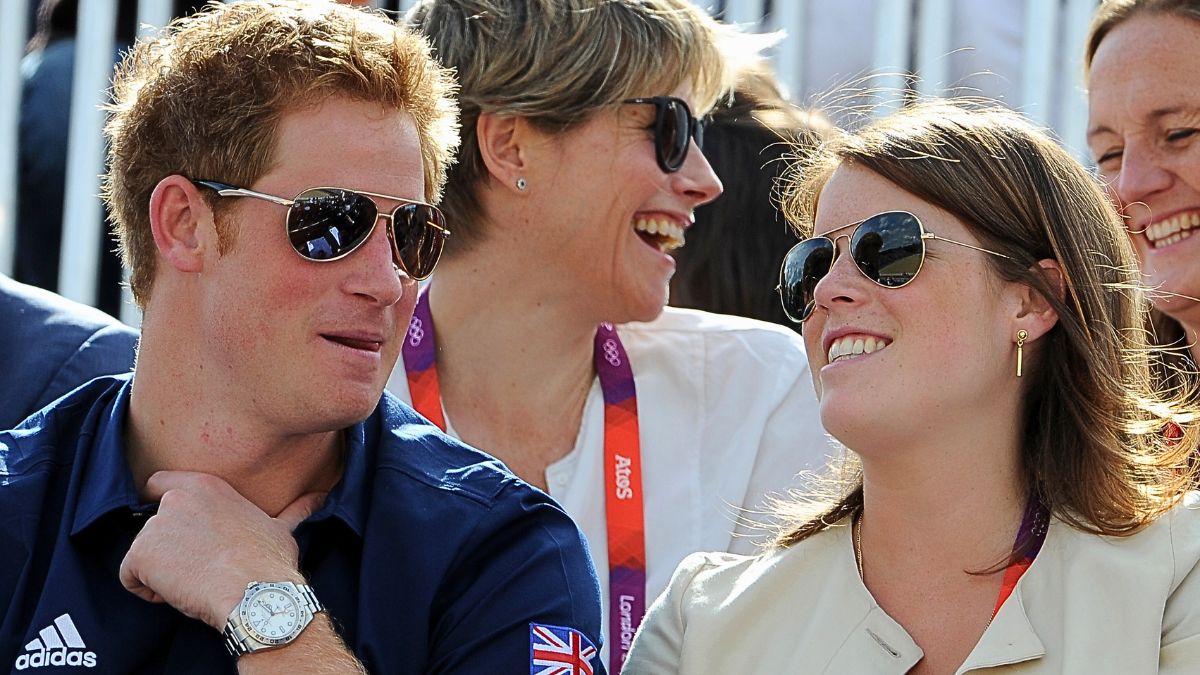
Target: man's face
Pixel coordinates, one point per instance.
(305, 345)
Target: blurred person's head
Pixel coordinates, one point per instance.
(205, 101)
(994, 236)
(56, 20)
(731, 262)
(1144, 135)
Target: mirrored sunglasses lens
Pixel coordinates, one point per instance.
(419, 238)
(888, 248)
(805, 265)
(326, 223)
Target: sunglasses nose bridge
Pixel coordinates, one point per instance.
(389, 228)
(836, 253)
(833, 283)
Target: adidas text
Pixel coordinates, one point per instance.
(58, 644)
(57, 657)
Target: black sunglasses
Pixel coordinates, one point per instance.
(329, 223)
(888, 248)
(674, 129)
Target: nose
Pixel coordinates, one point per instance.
(844, 284)
(374, 272)
(1141, 176)
(696, 179)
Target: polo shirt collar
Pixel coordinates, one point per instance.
(105, 481)
(350, 499)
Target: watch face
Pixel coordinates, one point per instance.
(272, 615)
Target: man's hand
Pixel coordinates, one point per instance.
(207, 542)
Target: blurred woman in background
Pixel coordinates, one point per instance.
(733, 251)
(1144, 134)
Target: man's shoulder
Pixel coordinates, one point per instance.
(36, 307)
(413, 448)
(50, 436)
(49, 345)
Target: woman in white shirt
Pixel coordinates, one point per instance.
(1143, 122)
(578, 174)
(1012, 502)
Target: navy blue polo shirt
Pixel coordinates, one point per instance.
(430, 556)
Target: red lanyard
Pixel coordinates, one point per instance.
(1032, 534)
(622, 465)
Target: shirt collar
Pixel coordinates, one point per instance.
(106, 483)
(1009, 639)
(349, 500)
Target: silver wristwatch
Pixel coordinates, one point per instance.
(271, 614)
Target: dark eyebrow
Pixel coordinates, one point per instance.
(1154, 116)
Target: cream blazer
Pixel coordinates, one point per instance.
(1088, 605)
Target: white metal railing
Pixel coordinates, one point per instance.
(83, 231)
(897, 38)
(12, 41)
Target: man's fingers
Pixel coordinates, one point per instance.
(304, 506)
(162, 481)
(133, 584)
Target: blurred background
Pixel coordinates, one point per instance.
(56, 59)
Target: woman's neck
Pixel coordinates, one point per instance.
(514, 364)
(926, 537)
(966, 524)
(948, 488)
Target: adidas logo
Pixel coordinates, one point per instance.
(58, 644)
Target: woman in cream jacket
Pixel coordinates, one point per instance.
(1015, 499)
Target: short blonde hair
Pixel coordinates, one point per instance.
(1113, 13)
(556, 62)
(206, 97)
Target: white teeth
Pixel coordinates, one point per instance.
(1172, 230)
(669, 232)
(850, 346)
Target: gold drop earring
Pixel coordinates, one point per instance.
(1022, 335)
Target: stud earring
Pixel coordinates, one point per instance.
(522, 184)
(1022, 335)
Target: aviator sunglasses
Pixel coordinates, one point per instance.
(888, 248)
(329, 223)
(674, 129)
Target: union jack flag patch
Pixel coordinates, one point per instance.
(554, 650)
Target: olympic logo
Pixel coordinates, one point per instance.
(610, 352)
(416, 332)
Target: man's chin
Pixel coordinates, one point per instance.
(351, 406)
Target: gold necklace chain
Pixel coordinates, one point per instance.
(857, 526)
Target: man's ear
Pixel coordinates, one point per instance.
(504, 146)
(179, 218)
(1035, 313)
